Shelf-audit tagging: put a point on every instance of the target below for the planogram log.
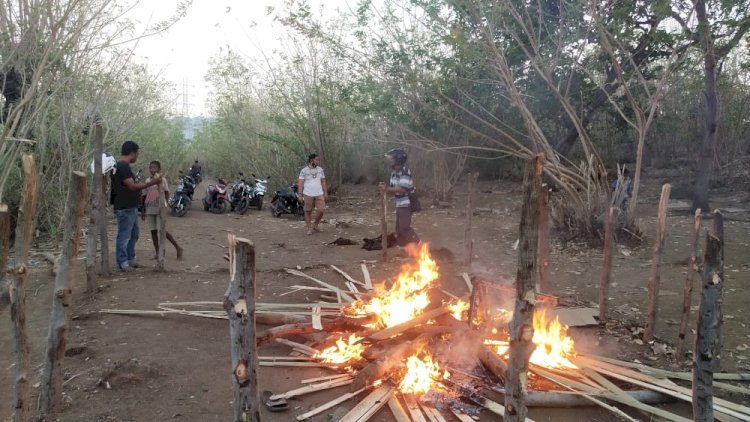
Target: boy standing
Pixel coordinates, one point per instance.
(151, 208)
(312, 187)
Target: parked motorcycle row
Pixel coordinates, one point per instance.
(244, 194)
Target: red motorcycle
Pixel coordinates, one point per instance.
(215, 199)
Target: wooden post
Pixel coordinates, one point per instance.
(4, 252)
(52, 378)
(468, 239)
(543, 279)
(239, 303)
(706, 356)
(161, 226)
(521, 325)
(25, 227)
(687, 291)
(384, 225)
(654, 278)
(94, 213)
(609, 228)
(103, 201)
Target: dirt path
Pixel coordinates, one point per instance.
(127, 368)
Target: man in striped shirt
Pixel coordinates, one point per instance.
(401, 185)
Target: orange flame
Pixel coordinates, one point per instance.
(421, 374)
(459, 309)
(409, 295)
(343, 352)
(553, 346)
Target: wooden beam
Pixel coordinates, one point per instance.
(687, 291)
(366, 275)
(22, 404)
(397, 329)
(5, 230)
(62, 299)
(399, 413)
(655, 276)
(27, 210)
(335, 402)
(239, 303)
(413, 408)
(96, 201)
(312, 388)
(366, 408)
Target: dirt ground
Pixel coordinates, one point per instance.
(129, 368)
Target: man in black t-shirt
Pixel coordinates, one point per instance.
(126, 197)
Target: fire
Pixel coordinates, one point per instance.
(458, 309)
(409, 295)
(421, 373)
(553, 346)
(343, 352)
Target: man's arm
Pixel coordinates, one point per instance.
(132, 185)
(300, 187)
(324, 186)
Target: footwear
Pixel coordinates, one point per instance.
(127, 269)
(134, 263)
(179, 254)
(309, 231)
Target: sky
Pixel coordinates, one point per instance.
(181, 55)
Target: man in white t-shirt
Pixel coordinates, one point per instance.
(311, 186)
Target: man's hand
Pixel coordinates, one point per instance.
(156, 179)
(382, 186)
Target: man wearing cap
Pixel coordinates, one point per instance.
(126, 194)
(311, 186)
(401, 185)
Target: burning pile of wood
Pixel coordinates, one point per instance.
(409, 346)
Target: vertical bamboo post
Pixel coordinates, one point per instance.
(543, 277)
(384, 225)
(52, 377)
(655, 276)
(103, 201)
(707, 352)
(94, 212)
(161, 225)
(609, 228)
(17, 290)
(239, 303)
(468, 239)
(4, 252)
(687, 291)
(521, 325)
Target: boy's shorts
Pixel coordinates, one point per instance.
(318, 202)
(151, 220)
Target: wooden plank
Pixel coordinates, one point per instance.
(399, 413)
(432, 414)
(576, 317)
(655, 276)
(347, 276)
(366, 276)
(306, 349)
(467, 280)
(413, 408)
(325, 378)
(687, 290)
(462, 417)
(322, 283)
(370, 404)
(335, 402)
(312, 388)
(397, 329)
(316, 322)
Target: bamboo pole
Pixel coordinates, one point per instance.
(384, 226)
(468, 239)
(687, 291)
(52, 378)
(4, 252)
(94, 213)
(161, 229)
(25, 227)
(330, 404)
(398, 411)
(239, 303)
(609, 228)
(521, 325)
(543, 279)
(655, 276)
(707, 353)
(103, 235)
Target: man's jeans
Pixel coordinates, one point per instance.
(127, 235)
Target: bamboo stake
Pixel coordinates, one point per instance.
(707, 352)
(348, 277)
(239, 303)
(103, 235)
(384, 226)
(4, 252)
(307, 349)
(52, 389)
(687, 291)
(94, 212)
(27, 210)
(312, 388)
(322, 283)
(521, 326)
(468, 239)
(543, 279)
(294, 364)
(609, 228)
(432, 414)
(161, 228)
(366, 276)
(462, 417)
(366, 408)
(17, 294)
(326, 378)
(413, 407)
(399, 414)
(330, 404)
(654, 278)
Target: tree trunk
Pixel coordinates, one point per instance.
(521, 326)
(26, 213)
(687, 291)
(239, 302)
(543, 277)
(17, 294)
(609, 235)
(710, 113)
(707, 351)
(94, 213)
(384, 225)
(655, 276)
(52, 378)
(468, 239)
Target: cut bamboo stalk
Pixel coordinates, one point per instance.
(294, 364)
(399, 413)
(322, 283)
(365, 409)
(521, 327)
(330, 404)
(543, 274)
(102, 188)
(326, 378)
(312, 388)
(467, 280)
(316, 322)
(687, 291)
(239, 304)
(366, 276)
(97, 202)
(17, 295)
(468, 239)
(397, 329)
(286, 358)
(381, 367)
(52, 385)
(347, 276)
(4, 253)
(432, 414)
(307, 349)
(413, 407)
(655, 276)
(609, 229)
(384, 226)
(26, 211)
(462, 417)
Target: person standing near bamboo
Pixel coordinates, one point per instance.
(401, 185)
(313, 191)
(151, 208)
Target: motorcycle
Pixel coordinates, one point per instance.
(286, 201)
(241, 195)
(215, 199)
(180, 202)
(259, 192)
